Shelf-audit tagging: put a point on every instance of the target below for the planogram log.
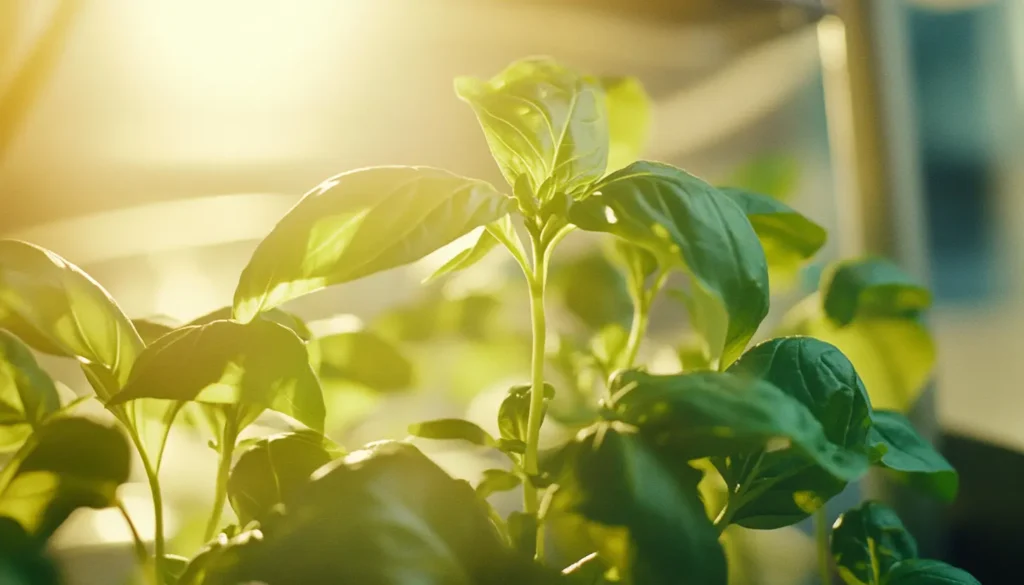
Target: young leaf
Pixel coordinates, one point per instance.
(273, 469)
(614, 479)
(893, 355)
(258, 365)
(928, 572)
(359, 223)
(74, 463)
(542, 121)
(821, 378)
(365, 358)
(466, 258)
(868, 541)
(56, 308)
(386, 514)
(453, 429)
(497, 480)
(870, 287)
(629, 120)
(708, 414)
(911, 457)
(690, 225)
(27, 394)
(787, 237)
(515, 410)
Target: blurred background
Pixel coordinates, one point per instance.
(154, 143)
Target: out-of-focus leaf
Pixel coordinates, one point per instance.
(365, 358)
(928, 572)
(629, 120)
(544, 122)
(298, 326)
(27, 394)
(73, 463)
(497, 480)
(453, 429)
(274, 468)
(870, 287)
(775, 175)
(515, 410)
(359, 223)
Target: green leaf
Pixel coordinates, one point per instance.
(298, 326)
(928, 572)
(690, 225)
(708, 414)
(151, 329)
(74, 463)
(522, 529)
(497, 480)
(629, 120)
(359, 223)
(23, 559)
(592, 290)
(868, 541)
(773, 174)
(542, 121)
(56, 308)
(820, 377)
(787, 237)
(515, 411)
(870, 287)
(365, 358)
(273, 469)
(911, 457)
(173, 567)
(259, 365)
(386, 515)
(453, 429)
(466, 258)
(614, 479)
(27, 394)
(894, 356)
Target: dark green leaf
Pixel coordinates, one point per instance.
(515, 410)
(274, 468)
(365, 358)
(258, 365)
(23, 559)
(359, 223)
(787, 237)
(870, 287)
(893, 355)
(74, 463)
(453, 429)
(542, 121)
(592, 290)
(868, 541)
(298, 326)
(629, 120)
(708, 414)
(614, 479)
(522, 528)
(152, 329)
(911, 457)
(27, 394)
(821, 378)
(690, 225)
(385, 515)
(928, 572)
(497, 480)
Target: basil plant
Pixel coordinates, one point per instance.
(780, 426)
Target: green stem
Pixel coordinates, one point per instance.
(538, 281)
(642, 301)
(140, 547)
(822, 533)
(227, 449)
(152, 476)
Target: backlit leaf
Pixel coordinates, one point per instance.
(359, 223)
(27, 394)
(365, 358)
(542, 121)
(453, 429)
(689, 225)
(629, 120)
(870, 287)
(260, 365)
(497, 480)
(515, 410)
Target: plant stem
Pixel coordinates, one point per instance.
(140, 547)
(821, 530)
(153, 477)
(227, 449)
(642, 301)
(538, 282)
